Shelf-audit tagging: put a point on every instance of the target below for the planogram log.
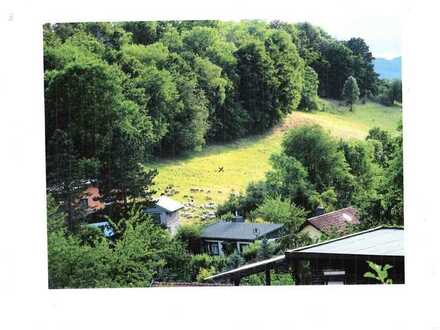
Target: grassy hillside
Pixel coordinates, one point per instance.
(248, 159)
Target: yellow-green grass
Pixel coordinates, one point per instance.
(247, 160)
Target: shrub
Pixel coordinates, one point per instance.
(251, 251)
(282, 279)
(204, 273)
(229, 248)
(380, 272)
(234, 260)
(189, 235)
(214, 264)
(244, 204)
(277, 278)
(254, 279)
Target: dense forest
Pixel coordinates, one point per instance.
(120, 94)
(168, 87)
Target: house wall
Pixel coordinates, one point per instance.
(170, 220)
(311, 231)
(355, 269)
(220, 244)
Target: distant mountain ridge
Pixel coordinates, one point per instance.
(388, 69)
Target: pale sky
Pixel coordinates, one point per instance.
(378, 22)
(382, 34)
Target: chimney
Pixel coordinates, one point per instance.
(237, 218)
(319, 211)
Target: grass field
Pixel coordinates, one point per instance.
(247, 160)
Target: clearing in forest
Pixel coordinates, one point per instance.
(202, 180)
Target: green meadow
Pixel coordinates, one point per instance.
(247, 159)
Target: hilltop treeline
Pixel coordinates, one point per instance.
(167, 87)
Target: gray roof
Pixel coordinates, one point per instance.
(239, 230)
(380, 241)
(168, 204)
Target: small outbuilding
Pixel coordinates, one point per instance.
(166, 212)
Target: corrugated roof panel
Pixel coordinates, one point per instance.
(383, 241)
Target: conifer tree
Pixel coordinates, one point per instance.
(350, 92)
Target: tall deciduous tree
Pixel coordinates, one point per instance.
(123, 176)
(289, 179)
(257, 86)
(318, 152)
(397, 90)
(83, 100)
(333, 68)
(363, 67)
(309, 95)
(289, 69)
(383, 145)
(393, 185)
(277, 210)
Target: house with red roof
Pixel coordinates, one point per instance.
(91, 200)
(325, 223)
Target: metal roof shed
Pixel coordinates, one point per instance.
(344, 258)
(348, 256)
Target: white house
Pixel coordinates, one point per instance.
(166, 212)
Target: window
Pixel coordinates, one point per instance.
(156, 218)
(333, 276)
(213, 248)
